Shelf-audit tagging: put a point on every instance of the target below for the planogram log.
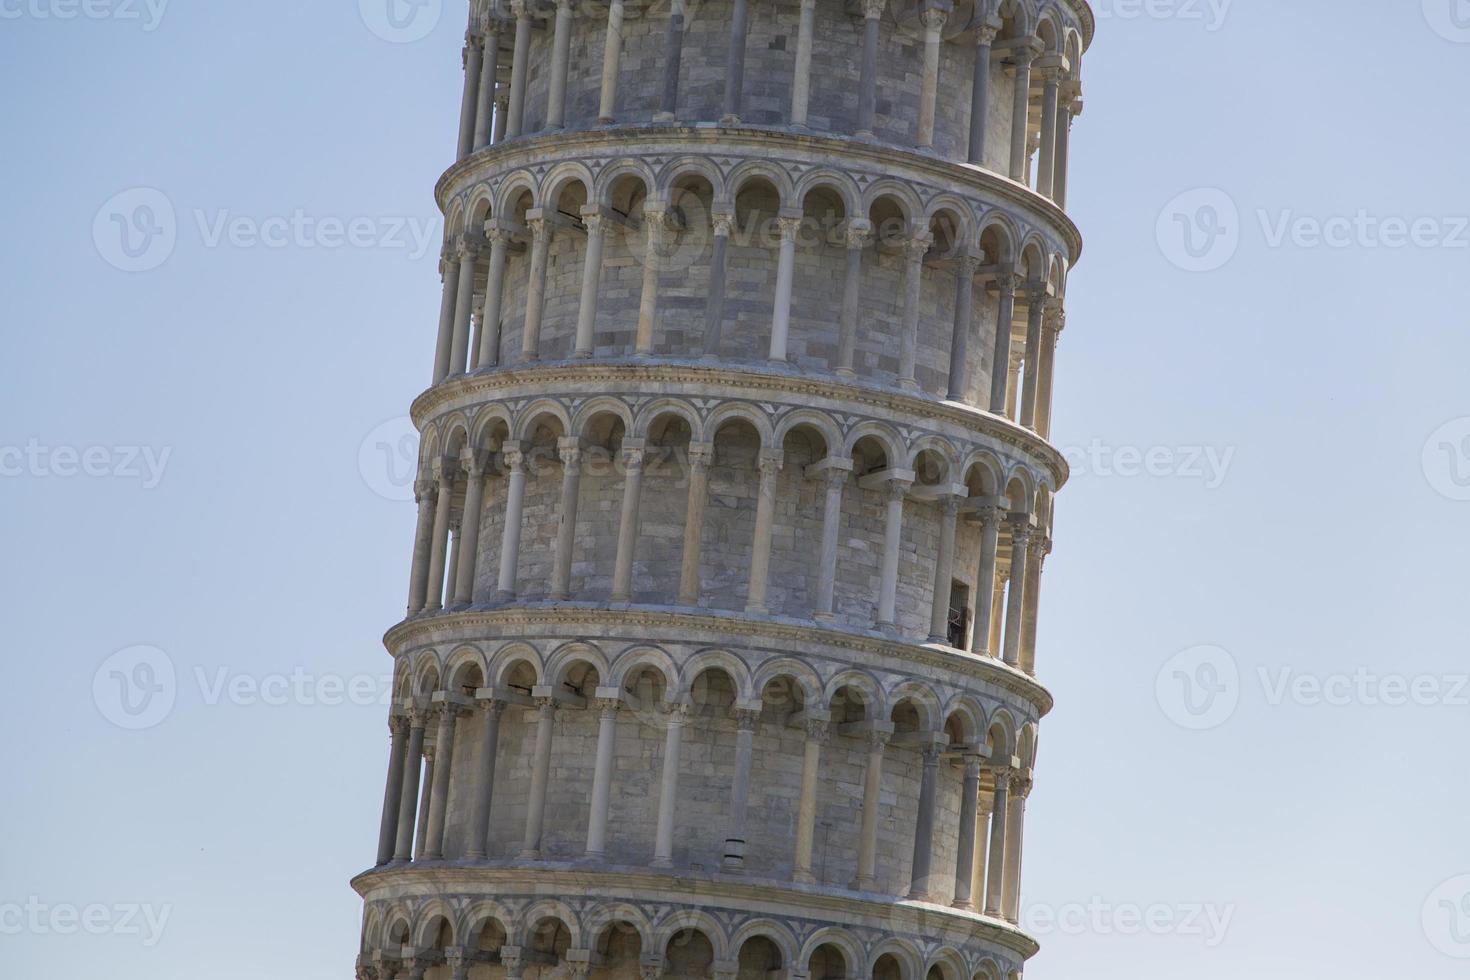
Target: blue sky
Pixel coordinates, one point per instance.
(1254, 619)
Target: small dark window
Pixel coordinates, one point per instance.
(959, 615)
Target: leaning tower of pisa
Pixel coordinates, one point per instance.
(734, 495)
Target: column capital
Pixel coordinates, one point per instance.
(474, 461)
(701, 454)
(986, 34)
(933, 18)
(789, 227)
(445, 469)
(973, 765)
(608, 707)
(722, 221)
(494, 707)
(1035, 291)
(515, 459)
(676, 712)
(1007, 283)
(968, 263)
(545, 705)
(918, 246)
(540, 227)
(818, 730)
(771, 461)
(592, 217)
(878, 739)
(425, 489)
(398, 724)
(747, 719)
(1001, 775)
(467, 247)
(632, 456)
(858, 233)
(873, 9)
(1020, 783)
(897, 489)
(571, 456)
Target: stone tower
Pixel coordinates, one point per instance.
(734, 494)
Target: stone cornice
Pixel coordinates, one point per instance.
(573, 619)
(742, 380)
(683, 139)
(745, 892)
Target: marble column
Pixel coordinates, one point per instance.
(673, 51)
(770, 464)
(443, 774)
(1035, 557)
(612, 52)
(421, 833)
(985, 579)
(997, 608)
(964, 864)
(392, 793)
(980, 94)
(933, 19)
(540, 776)
(859, 234)
(663, 849)
(982, 837)
(434, 598)
(494, 296)
(914, 250)
(1020, 113)
(944, 571)
(479, 845)
(449, 272)
(835, 479)
(868, 77)
(701, 455)
(570, 450)
(714, 305)
(474, 463)
(592, 219)
(785, 276)
(995, 875)
(1064, 138)
(470, 100)
(1046, 165)
(1006, 286)
(735, 62)
(1035, 309)
(468, 252)
(919, 883)
(622, 582)
(408, 798)
(959, 343)
(1054, 320)
(654, 223)
(426, 495)
(540, 227)
(806, 808)
(867, 873)
(561, 49)
(510, 546)
(489, 68)
(746, 723)
(519, 68)
(1015, 599)
(1013, 385)
(897, 490)
(801, 80)
(602, 776)
(1015, 836)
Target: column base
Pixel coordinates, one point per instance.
(729, 120)
(908, 384)
(940, 640)
(605, 120)
(963, 906)
(663, 864)
(504, 596)
(581, 353)
(846, 372)
(756, 610)
(803, 878)
(825, 617)
(664, 117)
(474, 855)
(560, 596)
(529, 854)
(861, 884)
